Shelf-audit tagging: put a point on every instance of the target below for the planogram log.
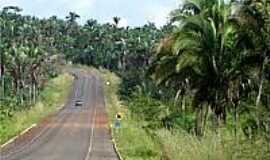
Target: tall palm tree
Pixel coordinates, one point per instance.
(91, 23)
(253, 20)
(72, 17)
(202, 51)
(116, 21)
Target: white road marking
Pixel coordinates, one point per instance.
(26, 130)
(14, 138)
(92, 135)
(29, 143)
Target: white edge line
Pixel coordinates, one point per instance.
(14, 138)
(92, 134)
(115, 145)
(23, 132)
(26, 130)
(36, 137)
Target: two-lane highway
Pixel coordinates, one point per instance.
(78, 132)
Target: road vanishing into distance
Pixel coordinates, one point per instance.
(77, 132)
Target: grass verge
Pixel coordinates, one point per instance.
(133, 142)
(52, 98)
(181, 145)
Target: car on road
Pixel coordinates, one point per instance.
(78, 103)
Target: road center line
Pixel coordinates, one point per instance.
(92, 135)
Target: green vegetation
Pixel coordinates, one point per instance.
(27, 58)
(181, 145)
(143, 137)
(27, 62)
(219, 74)
(196, 88)
(221, 66)
(51, 99)
(133, 141)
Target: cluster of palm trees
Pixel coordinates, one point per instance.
(113, 47)
(30, 46)
(28, 53)
(219, 53)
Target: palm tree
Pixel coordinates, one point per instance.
(16, 9)
(201, 50)
(253, 20)
(72, 17)
(116, 21)
(91, 23)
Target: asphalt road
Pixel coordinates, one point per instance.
(77, 132)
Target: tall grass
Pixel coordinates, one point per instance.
(52, 98)
(180, 145)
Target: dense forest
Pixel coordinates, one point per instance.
(206, 72)
(31, 47)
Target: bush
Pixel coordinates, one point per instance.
(184, 121)
(148, 109)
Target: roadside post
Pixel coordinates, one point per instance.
(118, 118)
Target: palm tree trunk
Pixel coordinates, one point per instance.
(205, 118)
(3, 85)
(34, 93)
(30, 94)
(176, 100)
(258, 99)
(183, 103)
(2, 74)
(235, 119)
(199, 121)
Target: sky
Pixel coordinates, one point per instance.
(132, 12)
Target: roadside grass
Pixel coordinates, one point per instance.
(52, 98)
(178, 145)
(133, 141)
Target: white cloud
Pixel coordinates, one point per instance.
(123, 22)
(8, 2)
(158, 15)
(80, 5)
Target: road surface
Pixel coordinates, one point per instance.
(77, 132)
